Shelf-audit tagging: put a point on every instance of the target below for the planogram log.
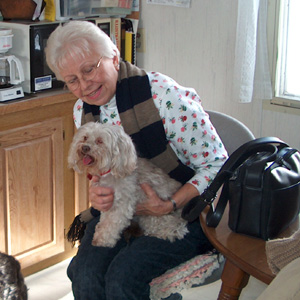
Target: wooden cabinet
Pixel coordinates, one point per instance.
(37, 196)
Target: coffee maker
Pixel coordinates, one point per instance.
(11, 70)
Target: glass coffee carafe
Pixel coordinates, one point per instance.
(11, 71)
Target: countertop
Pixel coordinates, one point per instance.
(31, 101)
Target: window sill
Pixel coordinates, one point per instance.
(282, 105)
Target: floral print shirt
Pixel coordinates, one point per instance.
(187, 126)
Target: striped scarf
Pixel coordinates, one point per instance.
(141, 120)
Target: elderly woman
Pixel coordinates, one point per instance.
(170, 125)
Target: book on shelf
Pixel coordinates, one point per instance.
(130, 47)
(116, 32)
(128, 41)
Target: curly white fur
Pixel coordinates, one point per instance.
(108, 150)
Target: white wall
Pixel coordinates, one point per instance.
(195, 46)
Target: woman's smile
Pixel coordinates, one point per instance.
(95, 94)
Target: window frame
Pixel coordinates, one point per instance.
(274, 7)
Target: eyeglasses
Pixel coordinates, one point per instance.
(87, 73)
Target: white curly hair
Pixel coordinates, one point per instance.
(77, 39)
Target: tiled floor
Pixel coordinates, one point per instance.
(53, 284)
(50, 284)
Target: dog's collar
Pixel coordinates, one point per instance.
(89, 176)
(105, 173)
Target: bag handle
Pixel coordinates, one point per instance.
(194, 207)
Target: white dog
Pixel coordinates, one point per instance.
(107, 151)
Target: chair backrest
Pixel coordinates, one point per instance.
(232, 132)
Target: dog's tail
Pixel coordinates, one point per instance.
(77, 228)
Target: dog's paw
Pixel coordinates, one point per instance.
(104, 238)
(98, 242)
(179, 234)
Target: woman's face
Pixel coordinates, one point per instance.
(97, 90)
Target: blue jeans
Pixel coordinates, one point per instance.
(125, 271)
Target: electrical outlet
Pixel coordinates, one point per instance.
(140, 40)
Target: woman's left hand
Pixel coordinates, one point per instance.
(153, 206)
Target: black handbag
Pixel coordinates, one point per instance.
(261, 181)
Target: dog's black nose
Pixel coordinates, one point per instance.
(85, 149)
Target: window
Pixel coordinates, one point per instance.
(287, 58)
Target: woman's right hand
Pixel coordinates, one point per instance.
(101, 198)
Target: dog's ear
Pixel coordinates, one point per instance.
(124, 158)
(72, 155)
(72, 162)
(73, 165)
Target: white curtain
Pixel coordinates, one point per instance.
(251, 69)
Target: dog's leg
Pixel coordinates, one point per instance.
(112, 223)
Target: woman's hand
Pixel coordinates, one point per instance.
(156, 207)
(153, 206)
(101, 198)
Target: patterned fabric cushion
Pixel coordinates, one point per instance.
(200, 270)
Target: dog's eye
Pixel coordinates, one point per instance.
(85, 138)
(99, 141)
